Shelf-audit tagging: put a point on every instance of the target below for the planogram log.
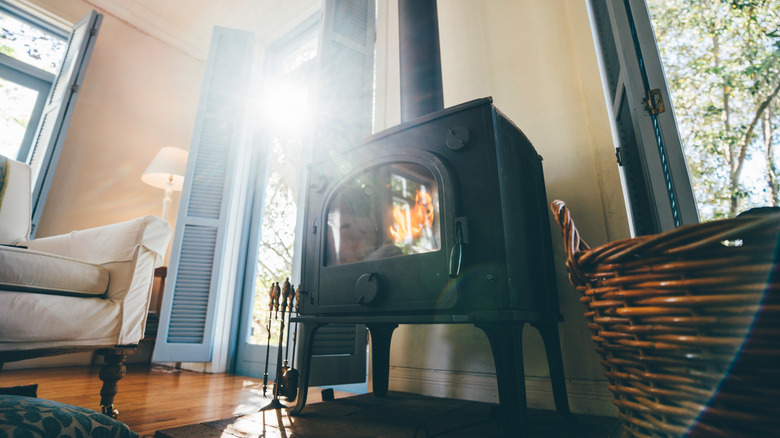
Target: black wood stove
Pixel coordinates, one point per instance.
(442, 219)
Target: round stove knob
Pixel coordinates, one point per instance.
(457, 137)
(367, 289)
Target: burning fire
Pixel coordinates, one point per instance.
(409, 226)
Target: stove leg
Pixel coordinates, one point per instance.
(552, 345)
(381, 334)
(304, 365)
(506, 341)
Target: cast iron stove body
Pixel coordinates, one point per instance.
(442, 219)
(443, 215)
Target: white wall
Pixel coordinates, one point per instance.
(538, 61)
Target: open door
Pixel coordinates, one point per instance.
(324, 65)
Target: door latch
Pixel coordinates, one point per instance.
(654, 103)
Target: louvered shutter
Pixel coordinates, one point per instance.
(345, 74)
(47, 144)
(203, 258)
(650, 151)
(345, 93)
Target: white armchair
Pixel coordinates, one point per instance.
(86, 290)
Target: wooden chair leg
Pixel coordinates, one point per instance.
(111, 372)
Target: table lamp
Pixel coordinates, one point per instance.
(166, 171)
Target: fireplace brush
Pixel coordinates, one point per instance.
(289, 380)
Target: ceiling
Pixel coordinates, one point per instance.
(187, 24)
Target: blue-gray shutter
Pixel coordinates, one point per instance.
(345, 92)
(650, 151)
(189, 308)
(345, 69)
(50, 135)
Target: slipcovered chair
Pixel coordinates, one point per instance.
(83, 291)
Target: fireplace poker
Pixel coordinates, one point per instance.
(289, 293)
(268, 339)
(278, 389)
(275, 295)
(297, 293)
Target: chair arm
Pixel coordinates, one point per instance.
(110, 243)
(130, 251)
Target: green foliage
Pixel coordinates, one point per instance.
(722, 62)
(6, 50)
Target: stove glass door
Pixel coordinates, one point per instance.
(388, 211)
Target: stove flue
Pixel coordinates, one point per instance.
(420, 59)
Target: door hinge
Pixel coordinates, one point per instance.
(619, 156)
(93, 31)
(654, 103)
(74, 88)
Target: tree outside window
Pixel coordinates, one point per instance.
(722, 63)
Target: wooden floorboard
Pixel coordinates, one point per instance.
(153, 398)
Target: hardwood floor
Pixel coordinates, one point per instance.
(153, 398)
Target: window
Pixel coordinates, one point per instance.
(40, 78)
(30, 56)
(720, 62)
(723, 70)
(649, 151)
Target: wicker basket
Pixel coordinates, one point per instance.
(687, 324)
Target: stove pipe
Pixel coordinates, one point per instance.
(421, 88)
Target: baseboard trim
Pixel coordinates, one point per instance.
(590, 397)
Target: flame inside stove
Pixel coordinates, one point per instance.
(410, 223)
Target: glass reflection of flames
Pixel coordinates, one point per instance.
(409, 222)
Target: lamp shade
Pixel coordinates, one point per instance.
(166, 171)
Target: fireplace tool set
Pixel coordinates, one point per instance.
(286, 380)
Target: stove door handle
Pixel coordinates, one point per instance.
(456, 254)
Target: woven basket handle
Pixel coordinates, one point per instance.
(572, 242)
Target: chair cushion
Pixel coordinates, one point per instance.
(33, 417)
(25, 270)
(15, 201)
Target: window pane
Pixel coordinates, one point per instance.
(30, 44)
(303, 53)
(17, 106)
(275, 253)
(722, 66)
